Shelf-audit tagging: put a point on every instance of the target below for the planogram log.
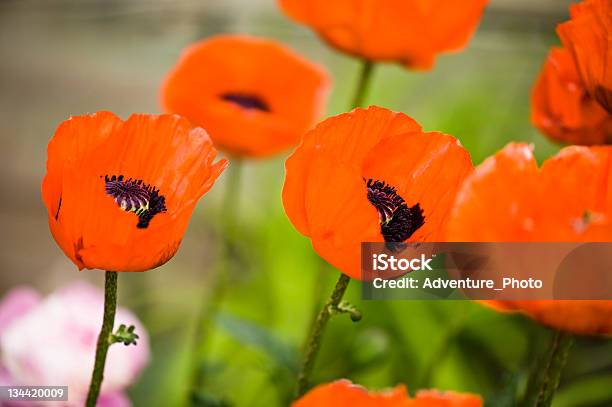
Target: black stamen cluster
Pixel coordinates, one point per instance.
(133, 195)
(398, 221)
(246, 101)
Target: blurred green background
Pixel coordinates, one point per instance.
(69, 57)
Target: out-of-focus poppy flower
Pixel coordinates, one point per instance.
(508, 199)
(119, 194)
(411, 32)
(371, 175)
(343, 393)
(64, 354)
(588, 35)
(576, 316)
(561, 107)
(254, 96)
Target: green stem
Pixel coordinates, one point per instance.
(316, 334)
(363, 85)
(104, 339)
(333, 305)
(230, 203)
(544, 378)
(219, 280)
(319, 288)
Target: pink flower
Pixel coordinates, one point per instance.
(52, 341)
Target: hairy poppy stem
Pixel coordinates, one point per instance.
(544, 378)
(105, 337)
(363, 85)
(334, 304)
(316, 334)
(210, 304)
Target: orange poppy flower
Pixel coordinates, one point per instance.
(119, 194)
(508, 198)
(371, 175)
(254, 96)
(588, 35)
(561, 107)
(343, 393)
(411, 32)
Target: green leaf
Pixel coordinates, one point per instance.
(590, 391)
(507, 396)
(249, 333)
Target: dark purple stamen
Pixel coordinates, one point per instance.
(246, 101)
(133, 195)
(397, 220)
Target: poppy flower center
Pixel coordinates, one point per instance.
(604, 96)
(398, 221)
(246, 101)
(133, 195)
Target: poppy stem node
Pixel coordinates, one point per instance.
(315, 338)
(124, 335)
(346, 307)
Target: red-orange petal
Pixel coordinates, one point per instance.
(576, 190)
(73, 138)
(561, 107)
(435, 398)
(342, 393)
(411, 32)
(579, 317)
(212, 75)
(495, 203)
(588, 35)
